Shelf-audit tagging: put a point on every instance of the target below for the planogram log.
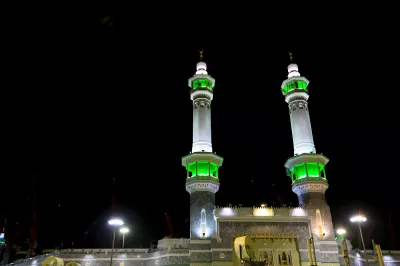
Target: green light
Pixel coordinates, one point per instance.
(312, 169)
(202, 168)
(214, 170)
(300, 171)
(295, 85)
(202, 83)
(192, 169)
(309, 170)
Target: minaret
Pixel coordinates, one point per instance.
(202, 164)
(307, 168)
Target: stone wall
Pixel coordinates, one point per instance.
(221, 254)
(87, 258)
(200, 200)
(311, 202)
(322, 226)
(168, 243)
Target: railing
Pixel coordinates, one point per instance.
(104, 250)
(38, 257)
(87, 254)
(202, 178)
(305, 179)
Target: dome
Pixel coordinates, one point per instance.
(293, 70)
(292, 67)
(201, 68)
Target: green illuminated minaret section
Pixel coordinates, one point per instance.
(202, 164)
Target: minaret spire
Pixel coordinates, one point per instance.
(202, 164)
(290, 57)
(201, 54)
(306, 168)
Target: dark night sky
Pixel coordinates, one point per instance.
(87, 102)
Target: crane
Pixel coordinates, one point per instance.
(179, 234)
(169, 225)
(170, 228)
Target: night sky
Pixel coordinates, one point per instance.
(92, 98)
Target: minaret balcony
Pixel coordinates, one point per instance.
(294, 84)
(309, 180)
(202, 165)
(307, 168)
(202, 178)
(309, 184)
(202, 183)
(201, 81)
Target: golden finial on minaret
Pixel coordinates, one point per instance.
(291, 57)
(201, 54)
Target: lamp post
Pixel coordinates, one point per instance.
(341, 232)
(360, 219)
(114, 222)
(123, 231)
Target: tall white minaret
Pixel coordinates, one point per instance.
(202, 165)
(202, 85)
(295, 90)
(307, 168)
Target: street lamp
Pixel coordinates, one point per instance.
(114, 222)
(360, 219)
(123, 231)
(341, 232)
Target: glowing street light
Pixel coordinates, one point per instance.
(114, 222)
(123, 231)
(359, 219)
(341, 232)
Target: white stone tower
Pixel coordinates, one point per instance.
(202, 164)
(307, 168)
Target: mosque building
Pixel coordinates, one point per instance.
(239, 236)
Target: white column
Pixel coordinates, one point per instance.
(303, 141)
(202, 126)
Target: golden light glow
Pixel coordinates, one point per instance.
(263, 212)
(358, 219)
(341, 231)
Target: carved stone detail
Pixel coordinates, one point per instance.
(202, 102)
(310, 187)
(298, 105)
(202, 203)
(202, 186)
